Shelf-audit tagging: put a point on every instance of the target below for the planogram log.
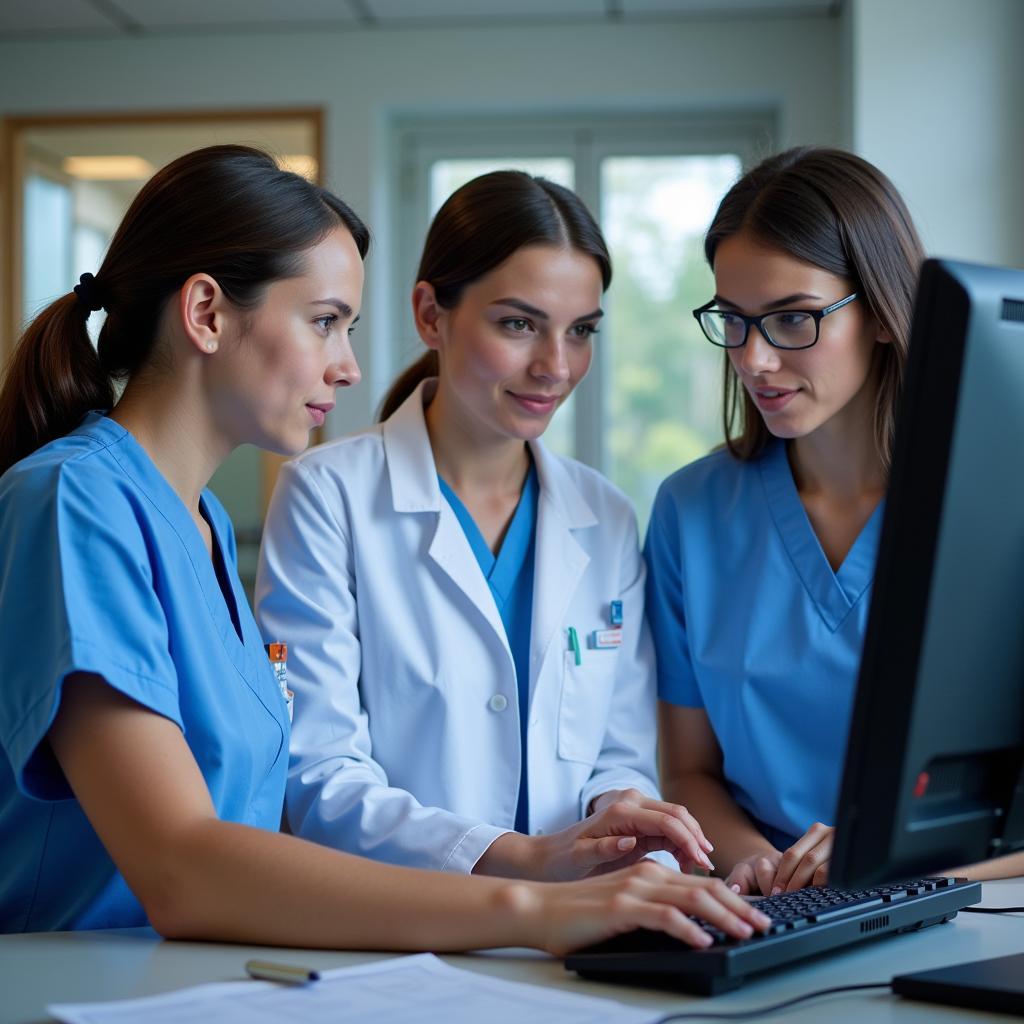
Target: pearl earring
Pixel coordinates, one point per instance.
(211, 346)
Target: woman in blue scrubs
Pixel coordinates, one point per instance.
(761, 555)
(145, 735)
(474, 681)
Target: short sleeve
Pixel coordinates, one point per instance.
(677, 682)
(77, 595)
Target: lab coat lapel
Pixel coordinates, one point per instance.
(560, 559)
(451, 551)
(414, 488)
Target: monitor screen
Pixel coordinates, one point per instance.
(933, 773)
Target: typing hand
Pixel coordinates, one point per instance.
(754, 875)
(806, 861)
(646, 895)
(626, 826)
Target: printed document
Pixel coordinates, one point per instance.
(418, 988)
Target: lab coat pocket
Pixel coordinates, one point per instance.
(583, 711)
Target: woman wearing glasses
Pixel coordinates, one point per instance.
(761, 555)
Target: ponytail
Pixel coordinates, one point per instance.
(428, 365)
(53, 379)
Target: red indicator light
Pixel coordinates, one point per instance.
(921, 786)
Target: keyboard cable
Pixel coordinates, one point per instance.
(992, 910)
(764, 1011)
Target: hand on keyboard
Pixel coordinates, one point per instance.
(804, 863)
(754, 875)
(790, 911)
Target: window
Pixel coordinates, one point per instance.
(663, 401)
(47, 242)
(651, 401)
(448, 175)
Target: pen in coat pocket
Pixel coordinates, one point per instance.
(574, 645)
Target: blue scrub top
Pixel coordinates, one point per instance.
(509, 575)
(102, 570)
(751, 623)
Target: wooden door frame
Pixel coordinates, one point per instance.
(12, 132)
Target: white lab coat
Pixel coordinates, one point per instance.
(405, 744)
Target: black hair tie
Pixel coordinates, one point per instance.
(89, 294)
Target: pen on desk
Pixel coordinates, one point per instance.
(287, 973)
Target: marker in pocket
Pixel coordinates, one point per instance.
(574, 645)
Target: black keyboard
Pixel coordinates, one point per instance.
(805, 923)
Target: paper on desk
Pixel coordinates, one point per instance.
(412, 988)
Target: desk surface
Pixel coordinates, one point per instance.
(41, 968)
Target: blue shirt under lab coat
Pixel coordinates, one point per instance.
(407, 742)
(102, 570)
(509, 575)
(751, 623)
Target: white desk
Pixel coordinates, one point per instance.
(41, 968)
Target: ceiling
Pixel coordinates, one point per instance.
(95, 18)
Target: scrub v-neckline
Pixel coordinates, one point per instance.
(834, 592)
(222, 572)
(501, 569)
(136, 462)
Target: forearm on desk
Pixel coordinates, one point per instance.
(238, 884)
(1009, 866)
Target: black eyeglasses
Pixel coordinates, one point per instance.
(785, 328)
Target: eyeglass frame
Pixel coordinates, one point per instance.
(756, 321)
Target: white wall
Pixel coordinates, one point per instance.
(937, 91)
(364, 77)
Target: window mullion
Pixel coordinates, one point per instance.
(591, 394)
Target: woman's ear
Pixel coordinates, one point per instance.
(201, 309)
(428, 314)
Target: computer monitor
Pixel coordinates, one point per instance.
(934, 772)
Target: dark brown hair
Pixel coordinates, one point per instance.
(836, 211)
(228, 211)
(480, 226)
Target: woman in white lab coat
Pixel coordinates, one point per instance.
(474, 685)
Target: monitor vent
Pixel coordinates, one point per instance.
(874, 924)
(1013, 309)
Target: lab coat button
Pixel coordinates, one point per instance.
(498, 702)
